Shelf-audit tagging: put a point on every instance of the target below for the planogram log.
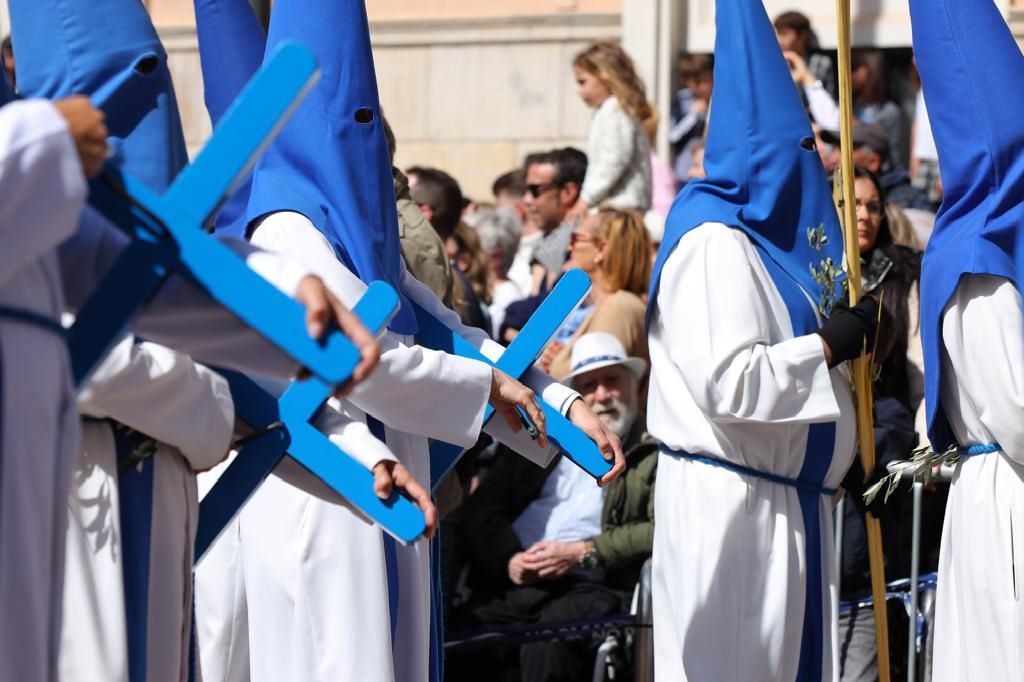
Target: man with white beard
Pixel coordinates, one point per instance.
(546, 544)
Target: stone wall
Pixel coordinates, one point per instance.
(473, 96)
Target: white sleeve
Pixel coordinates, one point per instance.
(984, 342)
(41, 181)
(352, 436)
(166, 396)
(411, 385)
(181, 316)
(719, 323)
(823, 108)
(609, 152)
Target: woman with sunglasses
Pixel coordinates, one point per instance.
(613, 248)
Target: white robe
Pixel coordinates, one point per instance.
(314, 573)
(222, 621)
(43, 190)
(979, 610)
(728, 380)
(188, 409)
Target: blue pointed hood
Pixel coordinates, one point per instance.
(972, 73)
(109, 50)
(331, 162)
(231, 47)
(763, 175)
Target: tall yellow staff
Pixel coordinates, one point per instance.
(861, 366)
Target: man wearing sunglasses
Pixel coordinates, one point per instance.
(553, 181)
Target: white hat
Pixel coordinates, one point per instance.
(600, 349)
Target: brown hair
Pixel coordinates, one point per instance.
(478, 274)
(627, 264)
(692, 65)
(609, 62)
(794, 21)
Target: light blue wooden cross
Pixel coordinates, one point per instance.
(288, 431)
(168, 236)
(515, 361)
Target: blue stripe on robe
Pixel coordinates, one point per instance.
(821, 440)
(135, 486)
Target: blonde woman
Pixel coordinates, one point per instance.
(613, 248)
(618, 152)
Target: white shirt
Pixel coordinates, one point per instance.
(568, 508)
(521, 271)
(822, 107)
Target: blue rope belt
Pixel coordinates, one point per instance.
(34, 319)
(747, 471)
(975, 450)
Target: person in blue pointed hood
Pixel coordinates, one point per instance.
(231, 47)
(116, 627)
(972, 330)
(109, 51)
(755, 416)
(46, 149)
(324, 193)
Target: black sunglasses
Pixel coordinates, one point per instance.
(536, 190)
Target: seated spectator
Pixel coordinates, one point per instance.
(553, 183)
(893, 272)
(822, 109)
(794, 33)
(7, 54)
(871, 102)
(510, 193)
(871, 150)
(547, 544)
(440, 200)
(466, 254)
(697, 153)
(613, 248)
(422, 249)
(690, 109)
(499, 241)
(924, 156)
(509, 190)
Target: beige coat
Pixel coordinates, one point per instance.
(622, 315)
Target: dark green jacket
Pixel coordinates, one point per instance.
(627, 521)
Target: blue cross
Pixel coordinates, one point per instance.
(168, 235)
(515, 361)
(288, 431)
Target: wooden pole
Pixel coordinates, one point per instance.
(861, 366)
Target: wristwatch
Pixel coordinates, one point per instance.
(590, 560)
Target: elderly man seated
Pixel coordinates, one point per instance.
(549, 544)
